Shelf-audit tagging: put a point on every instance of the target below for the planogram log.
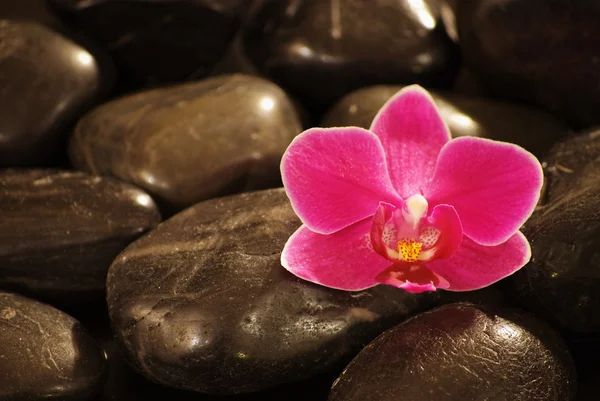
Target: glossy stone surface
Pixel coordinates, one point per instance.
(155, 41)
(45, 354)
(562, 281)
(125, 385)
(533, 129)
(323, 49)
(29, 10)
(568, 160)
(462, 352)
(191, 142)
(538, 51)
(47, 81)
(60, 231)
(202, 302)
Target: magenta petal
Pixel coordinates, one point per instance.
(382, 215)
(335, 177)
(417, 288)
(412, 278)
(493, 186)
(412, 133)
(445, 218)
(343, 260)
(475, 266)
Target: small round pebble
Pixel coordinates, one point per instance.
(45, 354)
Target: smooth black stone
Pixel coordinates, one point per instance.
(47, 81)
(562, 281)
(154, 41)
(202, 302)
(191, 142)
(542, 52)
(533, 129)
(462, 352)
(30, 10)
(322, 49)
(60, 231)
(125, 385)
(567, 160)
(46, 354)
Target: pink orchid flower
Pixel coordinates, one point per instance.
(403, 204)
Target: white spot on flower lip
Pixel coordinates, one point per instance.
(426, 256)
(429, 236)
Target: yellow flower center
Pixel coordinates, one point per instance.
(409, 250)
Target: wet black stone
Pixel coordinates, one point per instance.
(539, 51)
(60, 231)
(191, 142)
(323, 49)
(46, 354)
(562, 281)
(202, 302)
(154, 41)
(462, 352)
(533, 129)
(47, 81)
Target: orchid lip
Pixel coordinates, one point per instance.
(415, 238)
(409, 238)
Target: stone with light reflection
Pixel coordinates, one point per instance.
(158, 41)
(47, 81)
(60, 231)
(529, 51)
(190, 142)
(533, 129)
(202, 302)
(462, 352)
(322, 49)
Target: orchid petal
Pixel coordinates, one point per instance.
(335, 177)
(412, 134)
(474, 266)
(343, 260)
(417, 288)
(445, 219)
(379, 242)
(411, 278)
(493, 186)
